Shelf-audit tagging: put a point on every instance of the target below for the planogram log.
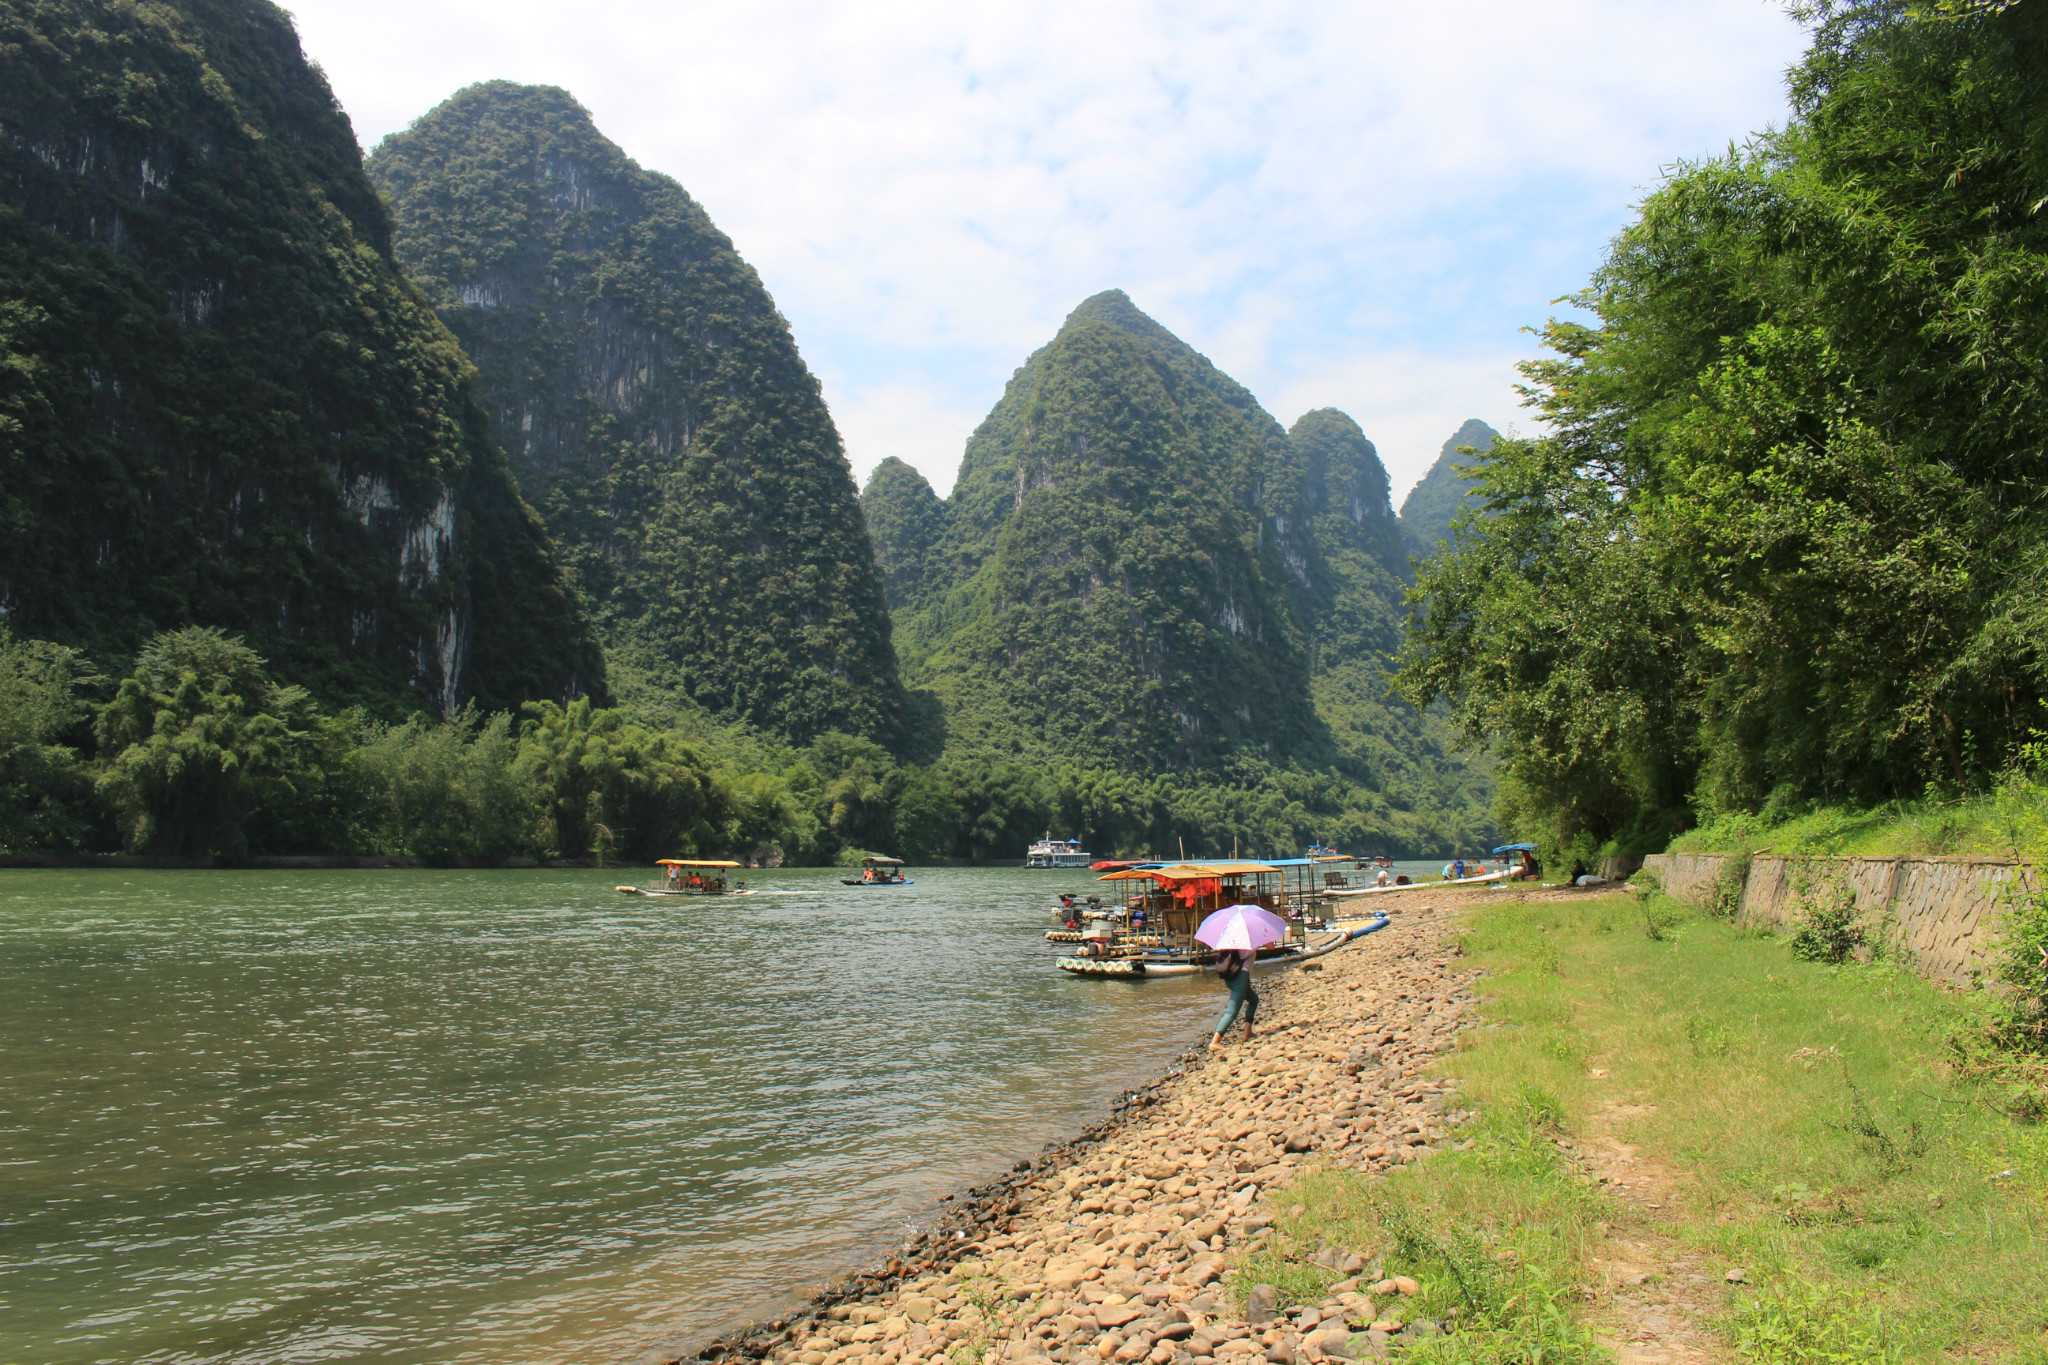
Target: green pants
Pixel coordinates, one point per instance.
(1242, 997)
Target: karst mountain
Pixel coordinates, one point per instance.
(1138, 567)
(221, 403)
(656, 410)
(1431, 506)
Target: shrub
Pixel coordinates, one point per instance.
(1828, 927)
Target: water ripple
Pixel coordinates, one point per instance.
(253, 1117)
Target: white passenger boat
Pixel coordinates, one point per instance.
(1051, 852)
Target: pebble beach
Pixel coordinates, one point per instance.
(1118, 1245)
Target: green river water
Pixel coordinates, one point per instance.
(469, 1116)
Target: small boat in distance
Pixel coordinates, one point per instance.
(1051, 852)
(692, 877)
(878, 872)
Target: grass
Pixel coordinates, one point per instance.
(2009, 821)
(1886, 1203)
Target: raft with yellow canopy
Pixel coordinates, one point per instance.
(692, 877)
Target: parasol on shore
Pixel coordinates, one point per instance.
(1242, 926)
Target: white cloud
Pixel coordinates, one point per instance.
(1355, 203)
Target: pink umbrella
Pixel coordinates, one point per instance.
(1242, 926)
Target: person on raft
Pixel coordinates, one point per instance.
(1234, 965)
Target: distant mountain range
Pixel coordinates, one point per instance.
(240, 388)
(1139, 567)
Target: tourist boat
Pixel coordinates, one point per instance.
(879, 872)
(1051, 852)
(1484, 879)
(692, 877)
(1147, 963)
(1163, 905)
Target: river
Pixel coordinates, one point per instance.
(510, 1116)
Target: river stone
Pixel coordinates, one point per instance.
(1260, 1304)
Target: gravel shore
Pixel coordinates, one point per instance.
(1115, 1246)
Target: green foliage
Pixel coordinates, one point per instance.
(1496, 1234)
(203, 744)
(1816, 1129)
(220, 400)
(1804, 1324)
(2021, 965)
(609, 787)
(445, 791)
(655, 408)
(1829, 927)
(1107, 595)
(46, 795)
(1785, 543)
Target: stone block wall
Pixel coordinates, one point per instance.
(1942, 913)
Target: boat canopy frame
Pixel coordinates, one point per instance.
(1182, 895)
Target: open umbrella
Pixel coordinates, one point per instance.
(1242, 926)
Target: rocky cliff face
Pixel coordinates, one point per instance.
(1427, 511)
(656, 409)
(220, 401)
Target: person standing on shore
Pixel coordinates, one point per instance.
(1234, 965)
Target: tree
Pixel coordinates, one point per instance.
(200, 741)
(1784, 543)
(45, 790)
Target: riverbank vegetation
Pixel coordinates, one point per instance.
(201, 752)
(1833, 1131)
(1783, 550)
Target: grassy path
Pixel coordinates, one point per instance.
(1695, 1148)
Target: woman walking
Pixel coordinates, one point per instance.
(1234, 965)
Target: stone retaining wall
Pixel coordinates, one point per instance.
(1942, 913)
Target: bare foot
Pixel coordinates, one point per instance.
(1216, 1043)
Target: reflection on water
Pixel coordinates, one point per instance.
(416, 1116)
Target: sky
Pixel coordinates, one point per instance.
(1358, 205)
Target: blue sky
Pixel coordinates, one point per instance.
(1352, 205)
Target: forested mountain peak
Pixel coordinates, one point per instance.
(1335, 523)
(1112, 595)
(906, 522)
(1431, 506)
(657, 410)
(220, 401)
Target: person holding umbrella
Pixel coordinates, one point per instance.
(1237, 934)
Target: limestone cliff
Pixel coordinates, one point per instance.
(655, 407)
(221, 402)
